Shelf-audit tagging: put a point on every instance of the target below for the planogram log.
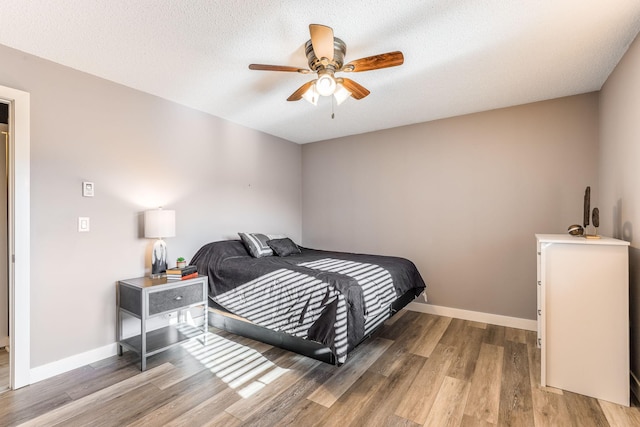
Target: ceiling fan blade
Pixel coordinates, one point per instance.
(297, 95)
(322, 41)
(264, 67)
(357, 90)
(384, 60)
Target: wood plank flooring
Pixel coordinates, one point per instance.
(419, 369)
(4, 369)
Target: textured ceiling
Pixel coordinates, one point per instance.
(461, 56)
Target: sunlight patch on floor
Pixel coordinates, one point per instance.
(242, 368)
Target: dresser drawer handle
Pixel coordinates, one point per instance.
(178, 298)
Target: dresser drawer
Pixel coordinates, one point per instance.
(175, 298)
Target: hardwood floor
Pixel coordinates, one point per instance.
(419, 369)
(4, 369)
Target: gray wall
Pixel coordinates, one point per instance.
(619, 168)
(460, 197)
(141, 152)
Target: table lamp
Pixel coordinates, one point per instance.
(158, 224)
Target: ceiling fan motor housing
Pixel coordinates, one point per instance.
(316, 64)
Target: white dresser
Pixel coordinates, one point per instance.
(583, 315)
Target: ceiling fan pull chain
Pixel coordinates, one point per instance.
(333, 116)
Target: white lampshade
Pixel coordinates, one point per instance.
(341, 93)
(159, 223)
(311, 95)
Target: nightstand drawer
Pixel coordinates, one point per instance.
(172, 299)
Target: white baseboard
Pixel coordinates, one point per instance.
(78, 360)
(475, 316)
(67, 364)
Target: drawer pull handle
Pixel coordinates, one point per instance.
(539, 312)
(178, 298)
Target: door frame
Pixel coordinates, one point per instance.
(19, 231)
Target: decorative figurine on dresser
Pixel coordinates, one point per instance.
(586, 214)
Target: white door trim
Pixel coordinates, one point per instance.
(19, 234)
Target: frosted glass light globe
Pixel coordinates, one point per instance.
(326, 85)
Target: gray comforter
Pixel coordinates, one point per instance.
(334, 298)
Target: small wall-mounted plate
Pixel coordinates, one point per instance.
(84, 224)
(87, 189)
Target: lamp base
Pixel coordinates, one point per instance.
(158, 259)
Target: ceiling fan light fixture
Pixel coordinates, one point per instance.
(341, 93)
(325, 57)
(326, 84)
(311, 95)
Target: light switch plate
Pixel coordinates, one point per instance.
(83, 224)
(87, 189)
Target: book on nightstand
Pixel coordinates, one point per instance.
(188, 276)
(182, 273)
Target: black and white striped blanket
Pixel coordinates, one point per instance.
(376, 283)
(330, 297)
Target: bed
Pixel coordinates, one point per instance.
(318, 303)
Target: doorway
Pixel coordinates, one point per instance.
(18, 218)
(4, 272)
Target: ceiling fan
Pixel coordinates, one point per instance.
(325, 54)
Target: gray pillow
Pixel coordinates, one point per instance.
(283, 247)
(256, 244)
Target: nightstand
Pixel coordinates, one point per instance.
(145, 298)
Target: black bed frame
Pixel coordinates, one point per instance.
(219, 318)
